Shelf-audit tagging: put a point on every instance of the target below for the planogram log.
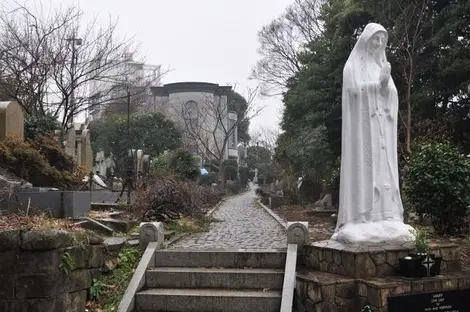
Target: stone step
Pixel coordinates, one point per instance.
(192, 300)
(228, 258)
(232, 278)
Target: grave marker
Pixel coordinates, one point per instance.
(444, 301)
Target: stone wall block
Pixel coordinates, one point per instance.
(8, 261)
(374, 296)
(328, 256)
(392, 258)
(379, 257)
(96, 256)
(328, 293)
(417, 286)
(385, 269)
(432, 285)
(324, 266)
(36, 305)
(7, 287)
(7, 305)
(337, 257)
(314, 293)
(450, 284)
(71, 302)
(37, 285)
(361, 289)
(325, 307)
(80, 255)
(314, 261)
(76, 280)
(346, 290)
(451, 253)
(349, 259)
(9, 240)
(464, 282)
(365, 267)
(38, 261)
(453, 266)
(46, 239)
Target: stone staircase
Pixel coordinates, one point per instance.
(222, 280)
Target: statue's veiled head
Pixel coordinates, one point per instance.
(377, 42)
(372, 42)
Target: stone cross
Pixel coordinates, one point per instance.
(428, 263)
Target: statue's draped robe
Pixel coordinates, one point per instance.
(369, 187)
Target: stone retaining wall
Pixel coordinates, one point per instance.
(48, 270)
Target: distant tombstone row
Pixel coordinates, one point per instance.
(141, 161)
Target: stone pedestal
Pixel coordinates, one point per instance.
(325, 292)
(345, 278)
(361, 261)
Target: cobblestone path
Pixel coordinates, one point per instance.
(243, 224)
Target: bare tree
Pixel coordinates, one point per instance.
(210, 126)
(267, 138)
(414, 20)
(282, 40)
(54, 62)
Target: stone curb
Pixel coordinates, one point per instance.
(274, 215)
(137, 282)
(176, 239)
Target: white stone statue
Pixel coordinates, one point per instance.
(370, 206)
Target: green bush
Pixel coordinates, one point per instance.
(244, 174)
(230, 172)
(234, 188)
(437, 185)
(179, 163)
(41, 161)
(39, 126)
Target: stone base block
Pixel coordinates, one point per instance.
(362, 261)
(320, 291)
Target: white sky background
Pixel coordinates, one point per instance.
(199, 40)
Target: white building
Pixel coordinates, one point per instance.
(203, 107)
(110, 90)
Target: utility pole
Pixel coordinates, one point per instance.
(75, 42)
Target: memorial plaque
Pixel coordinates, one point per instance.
(444, 301)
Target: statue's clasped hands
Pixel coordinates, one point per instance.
(384, 78)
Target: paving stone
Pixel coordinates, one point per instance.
(244, 224)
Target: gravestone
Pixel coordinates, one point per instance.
(70, 142)
(151, 232)
(86, 153)
(325, 203)
(297, 233)
(444, 301)
(11, 120)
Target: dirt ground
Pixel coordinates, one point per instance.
(321, 227)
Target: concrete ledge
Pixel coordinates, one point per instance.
(274, 215)
(137, 282)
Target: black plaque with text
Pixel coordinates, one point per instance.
(444, 301)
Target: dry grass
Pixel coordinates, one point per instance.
(39, 220)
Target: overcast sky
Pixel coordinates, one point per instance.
(199, 40)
